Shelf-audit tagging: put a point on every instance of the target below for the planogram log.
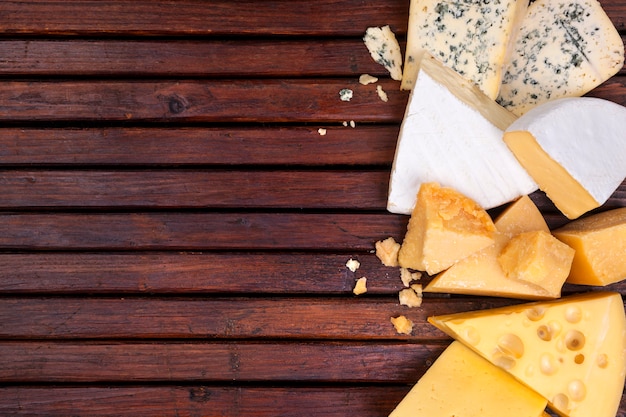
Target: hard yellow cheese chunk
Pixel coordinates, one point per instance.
(445, 227)
(537, 258)
(460, 383)
(481, 273)
(599, 242)
(572, 351)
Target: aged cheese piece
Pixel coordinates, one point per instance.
(574, 149)
(599, 242)
(564, 48)
(572, 351)
(470, 37)
(444, 228)
(537, 258)
(384, 49)
(481, 273)
(460, 383)
(452, 134)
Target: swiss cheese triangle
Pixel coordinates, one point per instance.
(572, 351)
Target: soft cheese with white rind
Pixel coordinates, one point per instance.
(471, 37)
(572, 350)
(452, 134)
(564, 48)
(574, 148)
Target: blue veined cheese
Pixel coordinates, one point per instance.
(384, 49)
(452, 134)
(470, 36)
(564, 48)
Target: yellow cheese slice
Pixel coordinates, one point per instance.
(460, 383)
(599, 242)
(572, 351)
(481, 273)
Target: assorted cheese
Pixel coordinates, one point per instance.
(441, 216)
(461, 383)
(452, 134)
(564, 48)
(599, 241)
(574, 149)
(468, 36)
(571, 351)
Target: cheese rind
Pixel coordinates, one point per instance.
(452, 134)
(468, 36)
(481, 273)
(572, 351)
(445, 227)
(460, 383)
(564, 48)
(574, 149)
(599, 242)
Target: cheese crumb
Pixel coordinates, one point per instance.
(382, 94)
(346, 94)
(366, 79)
(387, 251)
(321, 131)
(353, 264)
(407, 276)
(352, 124)
(345, 124)
(384, 48)
(402, 324)
(360, 287)
(411, 297)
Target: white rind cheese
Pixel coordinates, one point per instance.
(575, 149)
(564, 48)
(384, 49)
(452, 135)
(472, 37)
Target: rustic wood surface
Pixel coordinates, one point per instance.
(175, 229)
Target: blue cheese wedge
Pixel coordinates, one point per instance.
(564, 48)
(384, 49)
(452, 134)
(471, 37)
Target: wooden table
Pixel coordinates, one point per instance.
(174, 227)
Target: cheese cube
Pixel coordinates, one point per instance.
(572, 351)
(481, 273)
(599, 242)
(537, 258)
(452, 134)
(462, 384)
(564, 48)
(444, 228)
(574, 149)
(468, 36)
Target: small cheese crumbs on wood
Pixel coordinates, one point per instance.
(387, 251)
(366, 79)
(361, 286)
(321, 131)
(353, 264)
(382, 94)
(407, 276)
(402, 324)
(411, 297)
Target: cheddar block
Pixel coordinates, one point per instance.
(538, 258)
(452, 134)
(470, 37)
(564, 48)
(444, 228)
(572, 351)
(481, 273)
(460, 383)
(599, 242)
(574, 149)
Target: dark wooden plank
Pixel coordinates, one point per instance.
(613, 90)
(179, 401)
(361, 189)
(198, 231)
(70, 362)
(364, 145)
(238, 317)
(250, 58)
(314, 100)
(193, 17)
